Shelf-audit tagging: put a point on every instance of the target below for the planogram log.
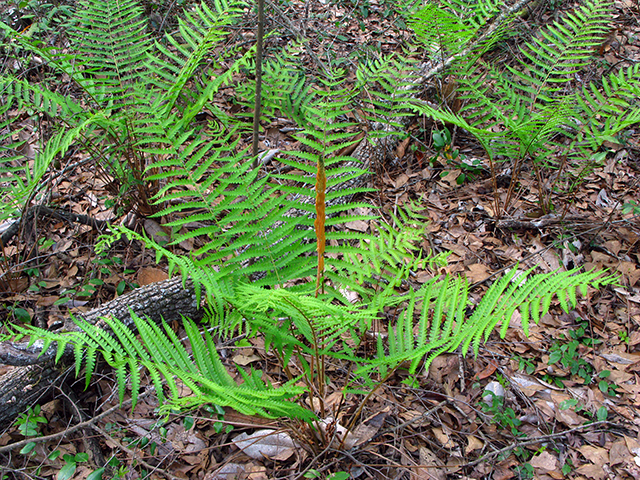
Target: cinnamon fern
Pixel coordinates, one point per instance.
(302, 331)
(138, 115)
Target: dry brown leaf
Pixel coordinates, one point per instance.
(429, 459)
(545, 462)
(402, 147)
(47, 301)
(619, 453)
(487, 371)
(443, 437)
(450, 179)
(148, 275)
(266, 443)
(596, 455)
(529, 384)
(473, 443)
(592, 471)
(245, 360)
(442, 367)
(401, 180)
(477, 272)
(367, 429)
(357, 225)
(634, 447)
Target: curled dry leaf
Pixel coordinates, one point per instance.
(266, 443)
(431, 467)
(339, 434)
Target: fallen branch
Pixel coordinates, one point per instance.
(30, 379)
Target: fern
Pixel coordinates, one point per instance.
(442, 326)
(302, 330)
(113, 62)
(252, 227)
(523, 112)
(169, 364)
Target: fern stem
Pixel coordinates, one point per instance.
(258, 99)
(319, 223)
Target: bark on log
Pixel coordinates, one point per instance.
(31, 377)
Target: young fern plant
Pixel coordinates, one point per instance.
(522, 112)
(253, 239)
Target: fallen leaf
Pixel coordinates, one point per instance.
(148, 275)
(357, 225)
(473, 443)
(402, 179)
(367, 429)
(429, 459)
(443, 437)
(545, 461)
(477, 272)
(245, 359)
(619, 453)
(47, 301)
(597, 455)
(266, 443)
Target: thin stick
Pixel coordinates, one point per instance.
(258, 100)
(55, 436)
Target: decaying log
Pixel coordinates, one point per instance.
(32, 376)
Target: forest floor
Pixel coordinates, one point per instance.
(571, 388)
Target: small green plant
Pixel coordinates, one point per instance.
(453, 157)
(524, 471)
(29, 423)
(601, 414)
(504, 417)
(570, 358)
(567, 468)
(606, 387)
(623, 335)
(570, 355)
(71, 464)
(631, 207)
(311, 474)
(19, 314)
(525, 364)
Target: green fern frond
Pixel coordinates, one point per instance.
(204, 375)
(615, 101)
(442, 326)
(112, 42)
(439, 28)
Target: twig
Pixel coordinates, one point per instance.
(258, 99)
(133, 455)
(88, 423)
(534, 441)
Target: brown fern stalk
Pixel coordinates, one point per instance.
(319, 223)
